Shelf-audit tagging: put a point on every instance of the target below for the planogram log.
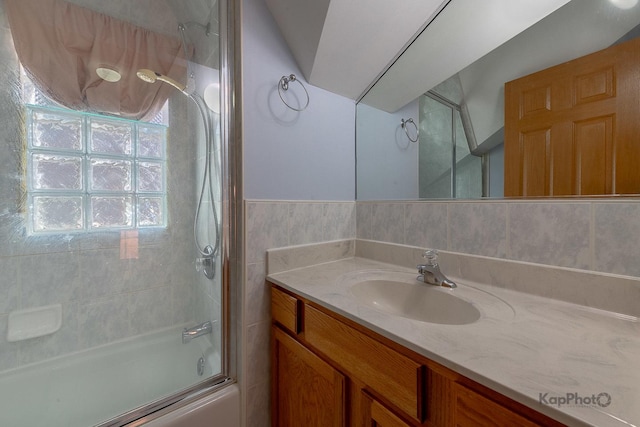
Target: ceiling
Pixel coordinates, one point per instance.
(344, 45)
(464, 32)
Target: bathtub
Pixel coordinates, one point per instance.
(218, 409)
(93, 386)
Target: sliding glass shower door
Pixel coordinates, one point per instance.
(112, 298)
(447, 169)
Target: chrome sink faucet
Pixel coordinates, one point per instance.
(430, 271)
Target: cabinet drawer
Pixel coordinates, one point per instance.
(284, 309)
(474, 410)
(389, 373)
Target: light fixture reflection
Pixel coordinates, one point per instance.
(212, 97)
(624, 4)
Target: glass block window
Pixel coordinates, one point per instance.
(88, 172)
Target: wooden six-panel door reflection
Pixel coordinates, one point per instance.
(574, 129)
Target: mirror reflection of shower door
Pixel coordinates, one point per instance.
(446, 169)
(98, 272)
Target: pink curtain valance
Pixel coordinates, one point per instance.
(61, 45)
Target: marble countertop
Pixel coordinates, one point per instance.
(535, 350)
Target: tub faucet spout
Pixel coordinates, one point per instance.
(190, 333)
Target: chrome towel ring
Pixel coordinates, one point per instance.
(283, 85)
(404, 122)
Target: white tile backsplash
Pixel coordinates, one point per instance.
(550, 233)
(478, 228)
(587, 234)
(267, 226)
(425, 225)
(616, 243)
(339, 220)
(387, 222)
(364, 220)
(305, 223)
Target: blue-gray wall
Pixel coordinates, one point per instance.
(290, 155)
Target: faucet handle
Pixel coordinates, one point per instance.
(431, 255)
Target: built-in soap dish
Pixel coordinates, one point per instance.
(34, 322)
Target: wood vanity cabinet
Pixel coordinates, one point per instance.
(330, 371)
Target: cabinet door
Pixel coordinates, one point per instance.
(376, 415)
(306, 391)
(381, 368)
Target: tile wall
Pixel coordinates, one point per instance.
(272, 224)
(598, 235)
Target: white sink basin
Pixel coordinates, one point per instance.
(417, 301)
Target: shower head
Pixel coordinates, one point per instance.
(146, 75)
(151, 76)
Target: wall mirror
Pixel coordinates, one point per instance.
(451, 82)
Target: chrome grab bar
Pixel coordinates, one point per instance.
(190, 333)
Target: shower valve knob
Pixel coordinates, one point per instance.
(207, 266)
